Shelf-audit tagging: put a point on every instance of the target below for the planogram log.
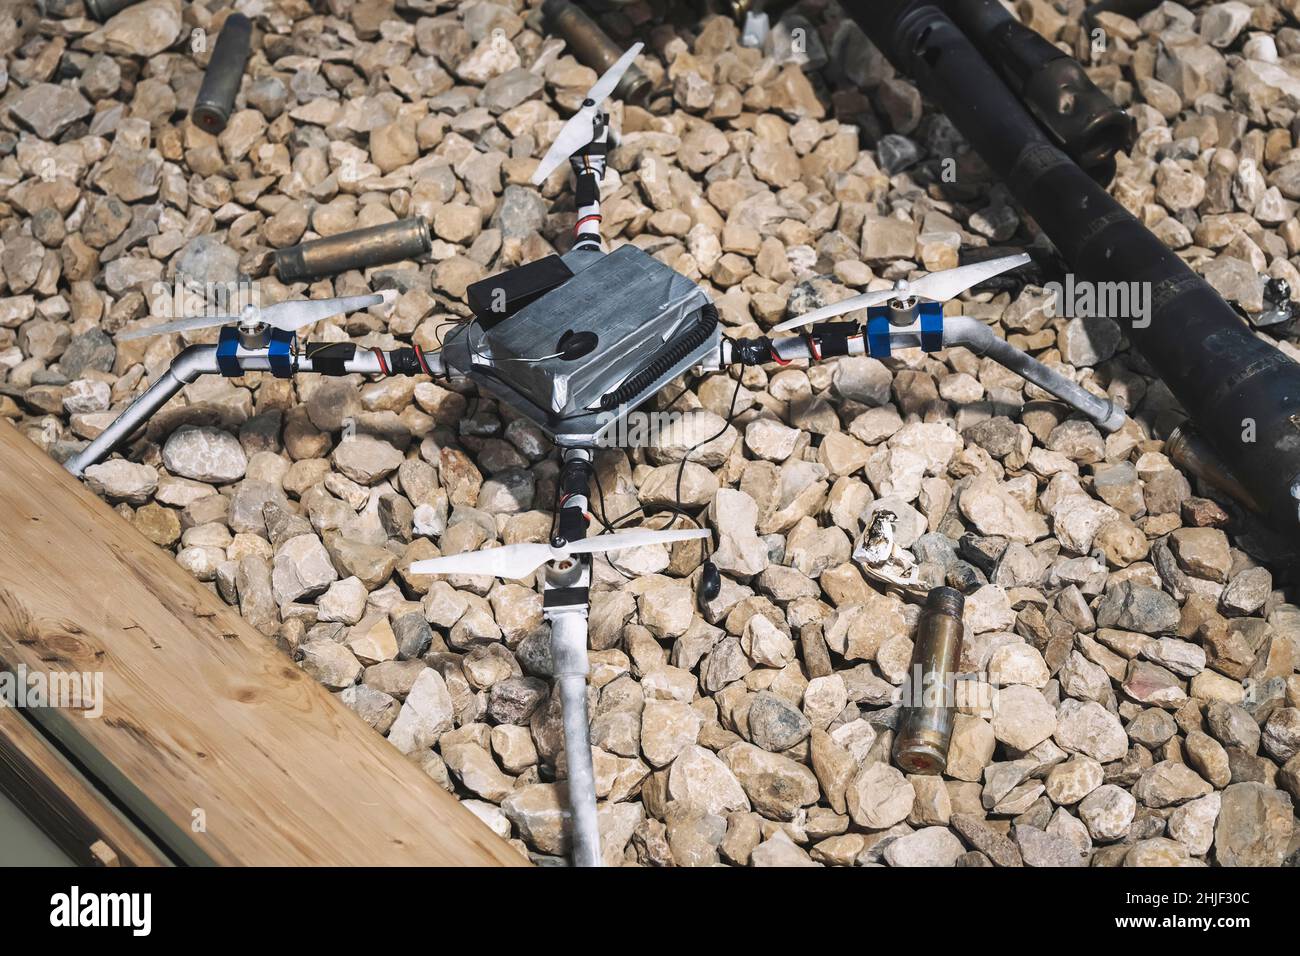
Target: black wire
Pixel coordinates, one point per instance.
(731, 414)
(600, 490)
(678, 507)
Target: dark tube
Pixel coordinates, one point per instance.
(1242, 393)
(1133, 9)
(929, 695)
(593, 47)
(225, 71)
(101, 10)
(1078, 117)
(358, 249)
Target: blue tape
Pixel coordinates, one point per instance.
(931, 314)
(227, 347)
(280, 353)
(878, 332)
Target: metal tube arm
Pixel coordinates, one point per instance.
(185, 368)
(202, 360)
(980, 339)
(957, 330)
(565, 602)
(569, 654)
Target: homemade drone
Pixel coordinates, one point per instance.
(573, 342)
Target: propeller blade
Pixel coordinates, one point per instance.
(581, 127)
(180, 325)
(852, 304)
(636, 538)
(521, 560)
(605, 85)
(577, 133)
(509, 561)
(293, 315)
(942, 286)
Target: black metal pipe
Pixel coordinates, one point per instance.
(1077, 116)
(1242, 393)
(102, 10)
(225, 72)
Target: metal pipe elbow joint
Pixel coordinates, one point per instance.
(186, 367)
(980, 339)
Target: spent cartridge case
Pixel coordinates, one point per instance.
(593, 47)
(358, 249)
(216, 99)
(929, 705)
(1190, 452)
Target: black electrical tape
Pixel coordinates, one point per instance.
(331, 358)
(574, 476)
(572, 524)
(587, 190)
(751, 351)
(833, 337)
(404, 362)
(565, 597)
(673, 353)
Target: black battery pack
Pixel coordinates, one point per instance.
(501, 296)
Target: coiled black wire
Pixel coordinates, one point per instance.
(686, 343)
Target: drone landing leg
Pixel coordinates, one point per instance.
(569, 654)
(185, 368)
(565, 600)
(588, 170)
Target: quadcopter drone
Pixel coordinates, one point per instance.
(573, 342)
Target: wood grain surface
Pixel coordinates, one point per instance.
(224, 750)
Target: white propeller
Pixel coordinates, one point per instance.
(521, 560)
(935, 287)
(286, 316)
(581, 127)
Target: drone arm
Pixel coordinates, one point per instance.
(565, 603)
(332, 358)
(588, 170)
(185, 368)
(346, 358)
(980, 339)
(815, 344)
(569, 656)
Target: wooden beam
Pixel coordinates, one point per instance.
(210, 736)
(77, 817)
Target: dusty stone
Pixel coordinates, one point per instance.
(879, 796)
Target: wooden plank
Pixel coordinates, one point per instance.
(223, 749)
(75, 815)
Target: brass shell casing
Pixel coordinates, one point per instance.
(925, 724)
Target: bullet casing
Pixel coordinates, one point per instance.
(358, 249)
(216, 99)
(925, 724)
(593, 47)
(1190, 452)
